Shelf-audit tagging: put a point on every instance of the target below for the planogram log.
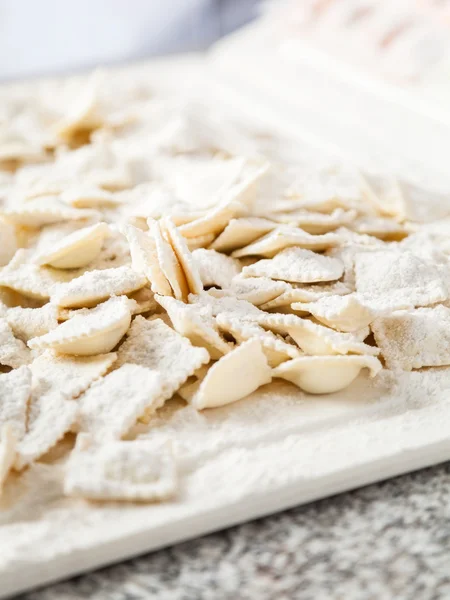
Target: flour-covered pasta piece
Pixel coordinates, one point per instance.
(27, 323)
(51, 415)
(314, 338)
(389, 279)
(13, 352)
(344, 313)
(241, 232)
(246, 365)
(144, 259)
(225, 304)
(94, 286)
(306, 293)
(76, 250)
(184, 256)
(29, 279)
(326, 374)
(72, 375)
(169, 263)
(297, 265)
(15, 392)
(44, 211)
(139, 471)
(152, 344)
(275, 348)
(196, 324)
(112, 405)
(215, 269)
(285, 236)
(89, 331)
(52, 411)
(215, 220)
(412, 339)
(256, 290)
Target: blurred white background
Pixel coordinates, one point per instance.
(57, 36)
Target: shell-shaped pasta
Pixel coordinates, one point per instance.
(89, 331)
(344, 313)
(297, 265)
(75, 250)
(256, 290)
(248, 362)
(284, 237)
(326, 374)
(241, 232)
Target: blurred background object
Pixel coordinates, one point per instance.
(53, 36)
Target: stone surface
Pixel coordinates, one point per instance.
(385, 541)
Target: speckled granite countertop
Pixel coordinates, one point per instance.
(389, 540)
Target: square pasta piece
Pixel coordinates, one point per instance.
(389, 279)
(155, 345)
(52, 412)
(142, 470)
(414, 339)
(112, 405)
(51, 416)
(94, 286)
(27, 323)
(72, 374)
(30, 279)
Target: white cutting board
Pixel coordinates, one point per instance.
(274, 450)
